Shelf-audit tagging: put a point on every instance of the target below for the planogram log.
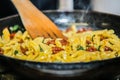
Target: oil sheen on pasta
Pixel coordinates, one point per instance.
(83, 45)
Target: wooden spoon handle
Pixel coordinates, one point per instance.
(30, 15)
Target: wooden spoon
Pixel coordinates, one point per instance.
(35, 22)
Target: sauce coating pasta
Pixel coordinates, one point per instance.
(82, 45)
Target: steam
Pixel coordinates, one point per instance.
(86, 6)
(85, 12)
(81, 4)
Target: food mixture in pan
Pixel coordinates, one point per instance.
(81, 45)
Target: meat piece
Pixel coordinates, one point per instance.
(88, 41)
(21, 41)
(81, 30)
(84, 29)
(51, 42)
(68, 29)
(103, 37)
(56, 49)
(12, 35)
(1, 51)
(23, 50)
(64, 42)
(91, 49)
(107, 48)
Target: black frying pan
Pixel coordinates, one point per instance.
(105, 69)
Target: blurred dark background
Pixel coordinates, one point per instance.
(7, 8)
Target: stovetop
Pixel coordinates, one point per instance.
(10, 74)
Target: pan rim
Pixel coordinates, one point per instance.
(59, 11)
(84, 11)
(57, 63)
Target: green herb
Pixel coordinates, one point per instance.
(87, 45)
(99, 48)
(116, 54)
(14, 28)
(27, 37)
(15, 52)
(93, 37)
(71, 47)
(111, 43)
(80, 47)
(43, 40)
(41, 50)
